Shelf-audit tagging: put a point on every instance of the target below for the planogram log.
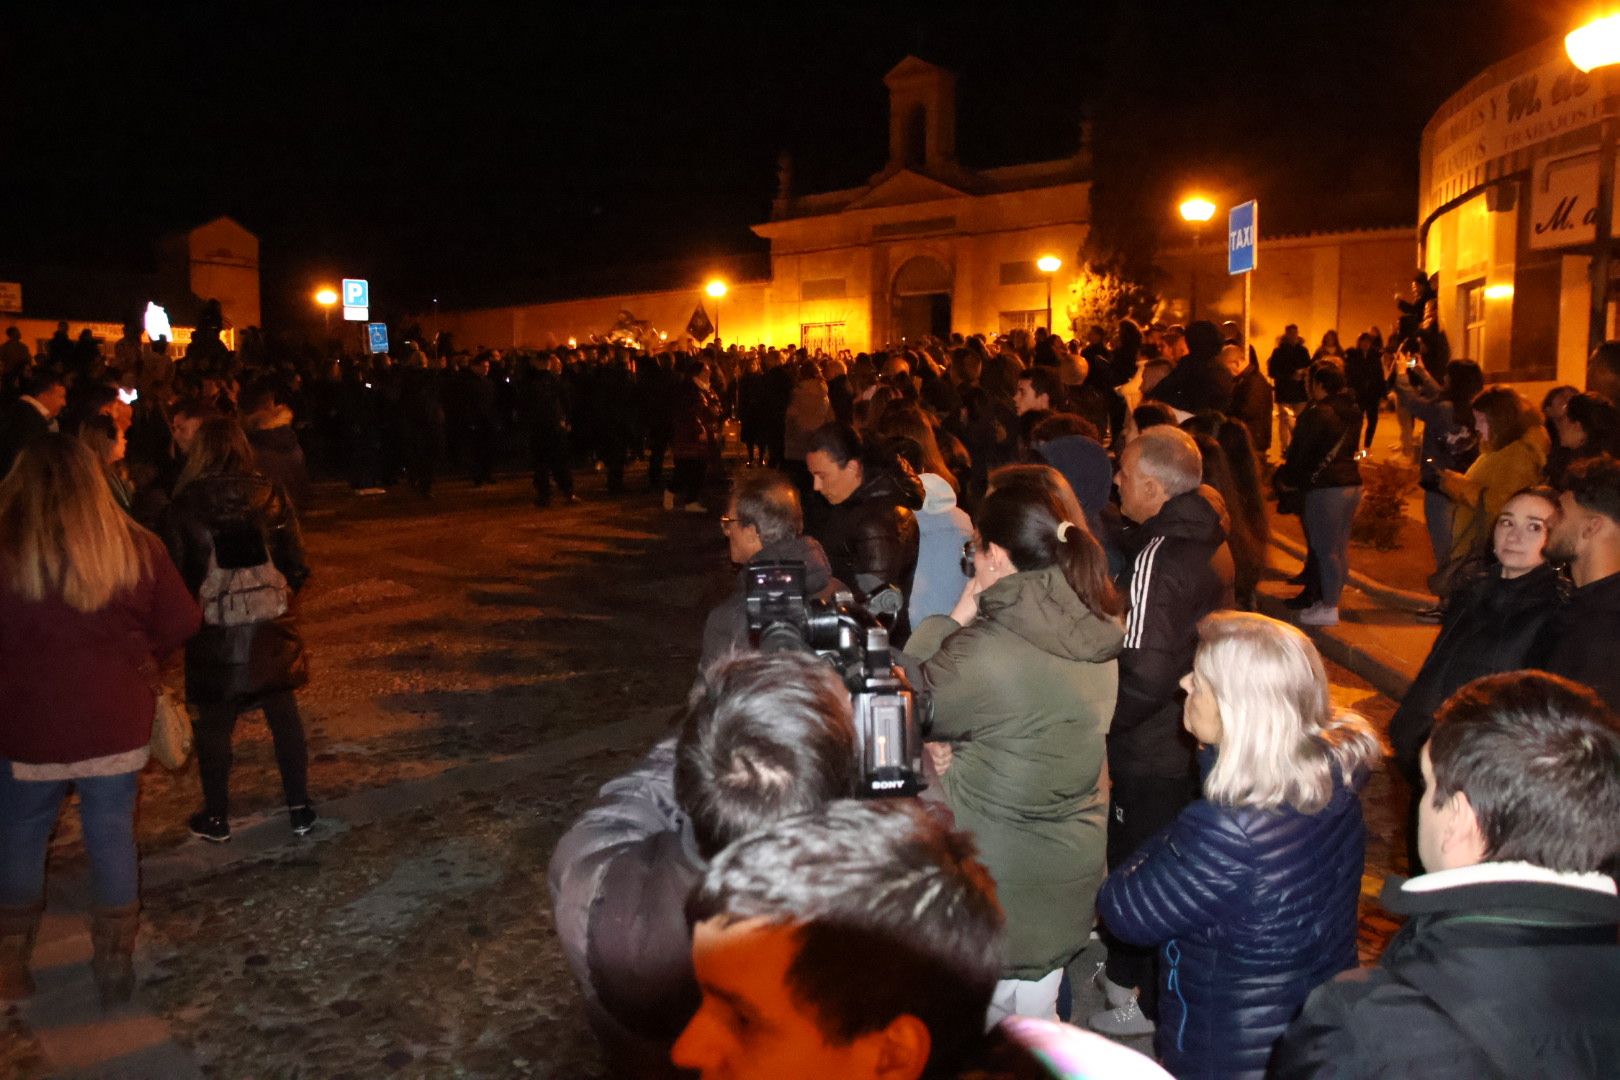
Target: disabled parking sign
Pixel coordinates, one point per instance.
(377, 337)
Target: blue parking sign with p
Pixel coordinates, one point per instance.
(1242, 237)
(356, 292)
(377, 335)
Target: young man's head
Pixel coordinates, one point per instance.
(1154, 468)
(765, 735)
(1603, 370)
(764, 510)
(1039, 389)
(47, 388)
(861, 941)
(834, 461)
(1586, 532)
(1523, 767)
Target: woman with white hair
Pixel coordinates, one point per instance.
(1251, 893)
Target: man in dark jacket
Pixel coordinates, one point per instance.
(1180, 570)
(31, 416)
(1251, 397)
(870, 531)
(545, 412)
(763, 523)
(620, 876)
(1582, 641)
(483, 421)
(1508, 963)
(1201, 381)
(1287, 366)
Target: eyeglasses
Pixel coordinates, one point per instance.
(726, 523)
(969, 549)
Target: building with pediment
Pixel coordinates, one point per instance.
(926, 246)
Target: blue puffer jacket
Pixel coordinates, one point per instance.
(1254, 909)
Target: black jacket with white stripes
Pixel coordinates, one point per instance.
(1179, 569)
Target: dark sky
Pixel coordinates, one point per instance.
(479, 153)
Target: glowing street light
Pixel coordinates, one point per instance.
(1197, 209)
(716, 289)
(1048, 265)
(326, 296)
(1596, 47)
(1195, 212)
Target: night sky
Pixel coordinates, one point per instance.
(480, 155)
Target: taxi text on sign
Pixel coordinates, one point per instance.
(1242, 234)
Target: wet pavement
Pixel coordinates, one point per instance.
(479, 668)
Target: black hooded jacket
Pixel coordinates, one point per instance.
(1492, 625)
(1583, 639)
(1201, 381)
(1179, 570)
(871, 538)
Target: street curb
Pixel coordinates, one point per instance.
(1385, 678)
(1388, 594)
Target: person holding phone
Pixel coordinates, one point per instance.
(1449, 439)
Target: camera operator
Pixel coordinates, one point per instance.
(870, 532)
(763, 523)
(765, 736)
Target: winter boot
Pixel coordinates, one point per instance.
(112, 933)
(18, 926)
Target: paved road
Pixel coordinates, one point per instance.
(480, 668)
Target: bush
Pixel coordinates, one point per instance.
(1385, 486)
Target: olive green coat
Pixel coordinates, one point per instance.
(1024, 695)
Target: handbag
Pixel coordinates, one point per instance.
(1291, 500)
(171, 731)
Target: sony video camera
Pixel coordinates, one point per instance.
(889, 714)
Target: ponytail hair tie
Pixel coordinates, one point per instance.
(1063, 530)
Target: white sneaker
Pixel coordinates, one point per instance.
(1116, 995)
(1121, 1023)
(669, 500)
(1320, 615)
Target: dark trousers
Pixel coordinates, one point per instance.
(614, 450)
(216, 724)
(1139, 806)
(657, 445)
(687, 479)
(548, 457)
(1371, 427)
(484, 444)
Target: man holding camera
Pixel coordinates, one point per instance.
(763, 523)
(870, 533)
(765, 736)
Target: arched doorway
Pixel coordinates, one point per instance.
(921, 299)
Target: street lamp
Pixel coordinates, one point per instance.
(326, 297)
(1596, 47)
(1195, 212)
(716, 289)
(1048, 265)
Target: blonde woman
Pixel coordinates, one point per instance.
(1250, 893)
(235, 538)
(89, 602)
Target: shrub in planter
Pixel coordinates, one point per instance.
(1385, 486)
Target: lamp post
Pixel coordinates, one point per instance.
(1596, 47)
(716, 289)
(1048, 265)
(326, 297)
(1195, 212)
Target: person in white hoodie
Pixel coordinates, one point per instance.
(944, 528)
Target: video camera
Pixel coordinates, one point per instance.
(889, 714)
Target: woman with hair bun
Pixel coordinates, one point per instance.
(1251, 893)
(1024, 674)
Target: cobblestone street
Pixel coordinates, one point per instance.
(479, 668)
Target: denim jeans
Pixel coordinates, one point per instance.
(1328, 515)
(28, 810)
(1437, 511)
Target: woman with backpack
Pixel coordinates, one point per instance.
(89, 603)
(235, 538)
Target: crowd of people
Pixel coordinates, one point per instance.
(1064, 541)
